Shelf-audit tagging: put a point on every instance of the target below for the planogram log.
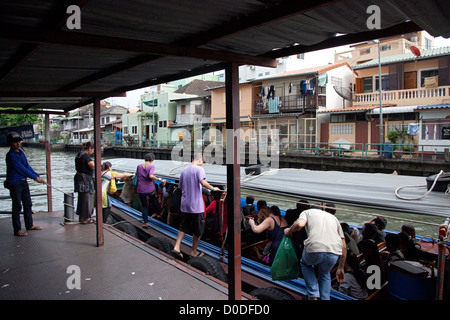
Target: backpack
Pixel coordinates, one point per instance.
(175, 204)
(212, 220)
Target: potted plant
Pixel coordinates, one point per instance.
(393, 136)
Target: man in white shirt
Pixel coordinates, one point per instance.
(323, 247)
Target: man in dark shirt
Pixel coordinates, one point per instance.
(17, 172)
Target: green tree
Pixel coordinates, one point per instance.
(7, 120)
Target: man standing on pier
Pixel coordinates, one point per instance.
(17, 172)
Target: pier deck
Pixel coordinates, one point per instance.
(35, 266)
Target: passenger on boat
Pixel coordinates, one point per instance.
(270, 220)
(212, 218)
(108, 179)
(351, 243)
(355, 282)
(192, 208)
(370, 231)
(407, 246)
(146, 187)
(380, 223)
(324, 247)
(161, 196)
(260, 204)
(411, 231)
(17, 171)
(84, 183)
(297, 237)
(371, 256)
(249, 208)
(392, 251)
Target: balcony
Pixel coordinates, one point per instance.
(290, 103)
(406, 97)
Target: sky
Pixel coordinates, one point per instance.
(316, 58)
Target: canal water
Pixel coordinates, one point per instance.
(63, 170)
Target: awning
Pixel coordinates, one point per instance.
(348, 109)
(387, 110)
(436, 106)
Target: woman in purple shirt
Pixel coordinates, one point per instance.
(146, 187)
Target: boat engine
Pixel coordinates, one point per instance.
(442, 183)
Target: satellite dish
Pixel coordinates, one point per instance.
(344, 93)
(415, 51)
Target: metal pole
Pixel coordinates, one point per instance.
(48, 163)
(98, 163)
(233, 182)
(381, 103)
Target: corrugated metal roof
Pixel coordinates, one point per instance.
(436, 106)
(348, 109)
(305, 71)
(425, 54)
(126, 45)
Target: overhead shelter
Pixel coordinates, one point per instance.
(126, 45)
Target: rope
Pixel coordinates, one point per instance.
(417, 198)
(67, 194)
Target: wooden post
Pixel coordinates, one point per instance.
(233, 181)
(98, 164)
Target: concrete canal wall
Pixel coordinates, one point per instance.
(415, 167)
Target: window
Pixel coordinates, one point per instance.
(338, 118)
(385, 47)
(427, 43)
(183, 109)
(384, 82)
(364, 51)
(134, 130)
(125, 130)
(341, 129)
(427, 73)
(367, 84)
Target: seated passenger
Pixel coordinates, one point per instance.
(273, 224)
(392, 251)
(355, 281)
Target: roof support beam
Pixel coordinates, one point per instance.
(61, 94)
(268, 15)
(55, 19)
(71, 38)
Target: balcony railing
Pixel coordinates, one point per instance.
(419, 96)
(289, 103)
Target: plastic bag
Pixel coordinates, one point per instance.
(285, 265)
(134, 181)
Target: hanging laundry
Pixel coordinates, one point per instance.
(262, 91)
(273, 105)
(271, 93)
(413, 129)
(303, 87)
(312, 86)
(290, 87)
(323, 79)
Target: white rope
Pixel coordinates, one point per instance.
(417, 198)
